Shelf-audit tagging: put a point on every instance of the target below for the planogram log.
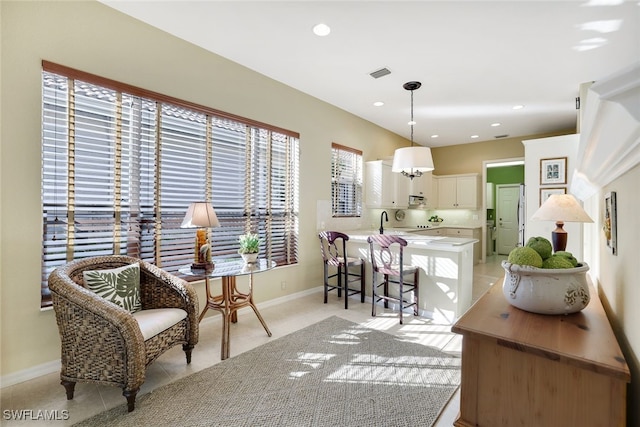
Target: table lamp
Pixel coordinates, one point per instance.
(202, 216)
(561, 208)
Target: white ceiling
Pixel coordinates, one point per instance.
(475, 59)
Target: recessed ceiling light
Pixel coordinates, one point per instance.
(495, 124)
(435, 136)
(321, 30)
(378, 103)
(411, 123)
(518, 107)
(475, 136)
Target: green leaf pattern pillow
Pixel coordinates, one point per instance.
(121, 285)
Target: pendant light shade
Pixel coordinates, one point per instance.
(412, 161)
(409, 160)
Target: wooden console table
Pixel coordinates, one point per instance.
(526, 369)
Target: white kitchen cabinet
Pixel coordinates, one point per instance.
(423, 186)
(458, 191)
(431, 232)
(469, 233)
(383, 188)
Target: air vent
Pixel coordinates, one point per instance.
(380, 73)
(501, 136)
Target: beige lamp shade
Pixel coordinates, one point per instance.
(200, 214)
(561, 208)
(412, 159)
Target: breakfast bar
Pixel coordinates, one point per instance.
(446, 270)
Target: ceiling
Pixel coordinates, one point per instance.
(475, 59)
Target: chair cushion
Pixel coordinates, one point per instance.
(121, 285)
(156, 320)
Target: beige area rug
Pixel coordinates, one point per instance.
(332, 373)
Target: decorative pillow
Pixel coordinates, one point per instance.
(121, 285)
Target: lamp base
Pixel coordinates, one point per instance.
(206, 266)
(559, 237)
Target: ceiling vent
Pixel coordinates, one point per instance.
(380, 73)
(502, 136)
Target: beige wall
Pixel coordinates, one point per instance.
(92, 37)
(468, 158)
(618, 277)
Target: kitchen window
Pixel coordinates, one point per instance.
(120, 166)
(346, 181)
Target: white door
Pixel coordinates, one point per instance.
(507, 218)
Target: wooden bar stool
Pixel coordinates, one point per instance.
(390, 265)
(333, 246)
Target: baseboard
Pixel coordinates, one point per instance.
(30, 373)
(54, 365)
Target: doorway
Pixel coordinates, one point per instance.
(507, 225)
(497, 172)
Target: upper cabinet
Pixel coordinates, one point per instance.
(458, 191)
(423, 186)
(383, 188)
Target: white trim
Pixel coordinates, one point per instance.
(610, 135)
(30, 373)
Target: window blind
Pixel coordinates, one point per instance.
(346, 181)
(120, 166)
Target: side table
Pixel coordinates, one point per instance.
(231, 299)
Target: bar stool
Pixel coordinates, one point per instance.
(333, 246)
(383, 261)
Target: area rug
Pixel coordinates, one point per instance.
(332, 373)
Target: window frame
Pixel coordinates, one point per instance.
(270, 211)
(346, 183)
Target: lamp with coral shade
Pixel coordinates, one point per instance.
(561, 208)
(201, 215)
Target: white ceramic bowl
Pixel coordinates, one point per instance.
(546, 291)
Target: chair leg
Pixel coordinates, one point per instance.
(416, 298)
(374, 294)
(401, 302)
(362, 283)
(326, 282)
(346, 286)
(131, 398)
(386, 290)
(69, 387)
(187, 351)
(339, 281)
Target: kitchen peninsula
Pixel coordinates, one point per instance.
(446, 269)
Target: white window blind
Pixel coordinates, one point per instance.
(346, 181)
(120, 169)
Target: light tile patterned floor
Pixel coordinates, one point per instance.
(46, 393)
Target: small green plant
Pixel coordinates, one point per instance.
(249, 244)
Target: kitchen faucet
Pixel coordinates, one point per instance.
(383, 214)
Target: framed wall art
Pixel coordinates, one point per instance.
(546, 192)
(610, 225)
(553, 171)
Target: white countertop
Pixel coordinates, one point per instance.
(415, 241)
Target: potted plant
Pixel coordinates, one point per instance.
(249, 247)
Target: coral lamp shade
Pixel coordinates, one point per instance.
(200, 214)
(412, 159)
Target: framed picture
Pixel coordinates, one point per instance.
(546, 192)
(553, 171)
(610, 226)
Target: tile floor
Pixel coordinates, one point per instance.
(46, 393)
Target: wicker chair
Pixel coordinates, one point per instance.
(102, 342)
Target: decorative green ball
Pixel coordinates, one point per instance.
(568, 255)
(524, 255)
(540, 245)
(556, 261)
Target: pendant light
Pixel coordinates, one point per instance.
(412, 161)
